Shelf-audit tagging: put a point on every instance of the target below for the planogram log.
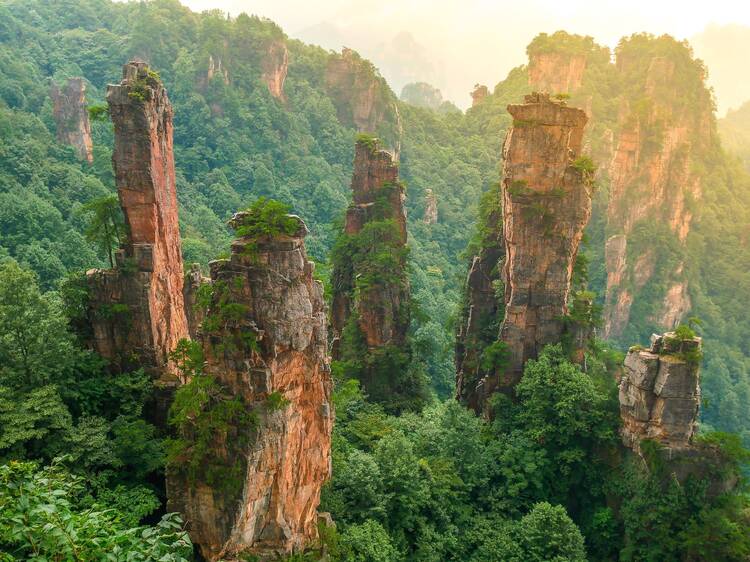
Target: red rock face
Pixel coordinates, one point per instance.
(546, 205)
(361, 95)
(556, 73)
(275, 67)
(478, 94)
(273, 513)
(72, 118)
(147, 285)
(377, 195)
(652, 181)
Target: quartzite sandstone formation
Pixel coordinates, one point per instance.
(72, 117)
(137, 308)
(362, 97)
(270, 350)
(556, 72)
(478, 324)
(546, 205)
(653, 182)
(430, 207)
(275, 66)
(478, 94)
(660, 392)
(377, 196)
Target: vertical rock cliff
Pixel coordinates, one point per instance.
(362, 97)
(253, 487)
(660, 392)
(478, 94)
(556, 72)
(546, 205)
(381, 311)
(654, 186)
(137, 308)
(482, 309)
(430, 207)
(72, 118)
(371, 296)
(275, 65)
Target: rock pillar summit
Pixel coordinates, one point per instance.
(378, 196)
(660, 392)
(256, 488)
(523, 275)
(72, 118)
(137, 308)
(546, 205)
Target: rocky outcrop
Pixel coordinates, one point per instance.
(361, 95)
(275, 65)
(660, 392)
(478, 94)
(482, 310)
(191, 293)
(653, 182)
(546, 205)
(522, 278)
(137, 309)
(216, 68)
(556, 72)
(377, 196)
(430, 207)
(265, 343)
(72, 118)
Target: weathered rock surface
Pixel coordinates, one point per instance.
(216, 68)
(660, 392)
(529, 250)
(194, 313)
(72, 117)
(362, 96)
(546, 205)
(275, 66)
(482, 311)
(377, 195)
(137, 308)
(653, 182)
(287, 459)
(556, 72)
(478, 94)
(430, 207)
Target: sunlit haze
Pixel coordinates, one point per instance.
(455, 44)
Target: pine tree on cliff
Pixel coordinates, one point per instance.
(371, 297)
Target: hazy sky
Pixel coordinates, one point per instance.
(457, 43)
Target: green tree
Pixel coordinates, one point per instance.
(106, 226)
(44, 516)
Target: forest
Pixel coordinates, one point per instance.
(542, 475)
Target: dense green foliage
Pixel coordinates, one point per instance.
(546, 480)
(46, 514)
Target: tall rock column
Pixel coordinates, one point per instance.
(381, 310)
(72, 118)
(546, 205)
(482, 309)
(253, 487)
(371, 296)
(137, 308)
